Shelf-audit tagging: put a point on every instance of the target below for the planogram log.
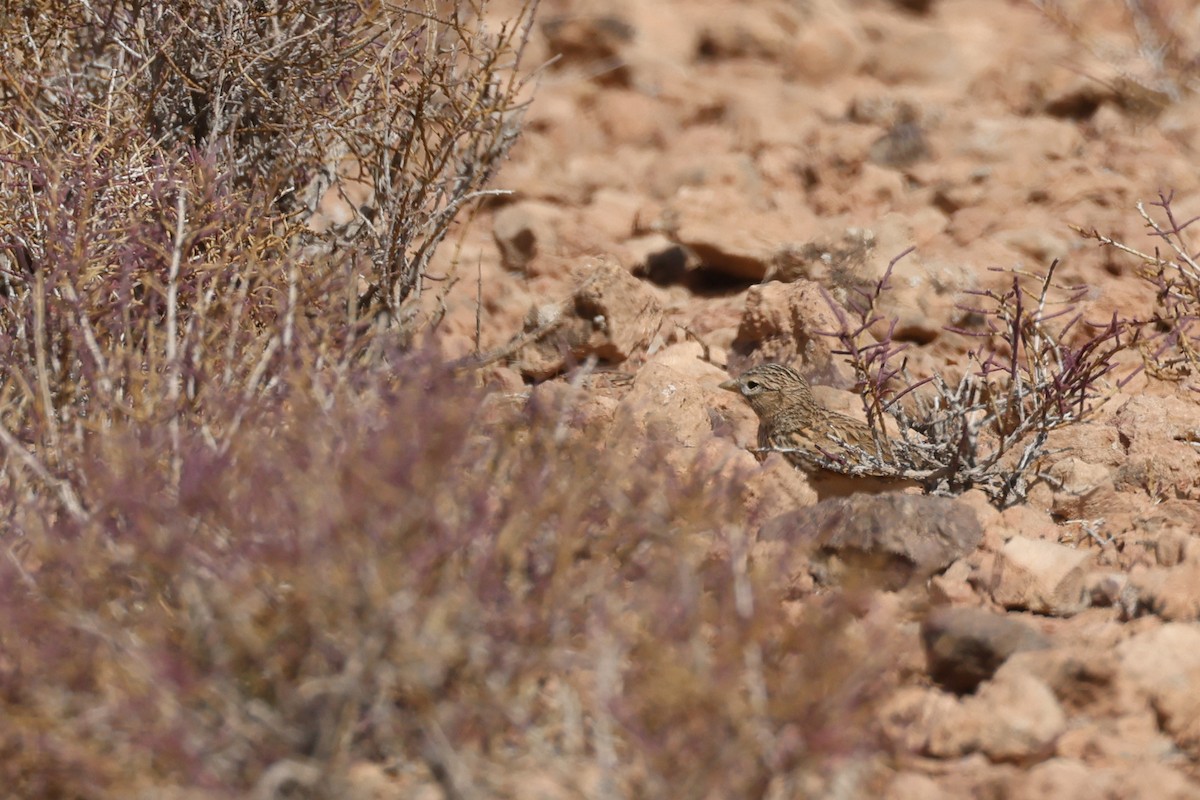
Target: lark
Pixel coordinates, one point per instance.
(813, 438)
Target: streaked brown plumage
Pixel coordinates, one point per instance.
(810, 436)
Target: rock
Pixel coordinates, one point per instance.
(1163, 664)
(1151, 781)
(953, 587)
(521, 231)
(1173, 546)
(1063, 779)
(1172, 593)
(633, 117)
(1078, 100)
(701, 186)
(901, 146)
(1093, 441)
(830, 45)
(672, 395)
(763, 31)
(922, 291)
(781, 323)
(1169, 527)
(1143, 417)
(589, 414)
(1014, 717)
(1112, 590)
(587, 41)
(913, 786)
(816, 42)
(727, 233)
(1040, 576)
(891, 56)
(622, 314)
(908, 717)
(834, 261)
(1126, 739)
(659, 260)
(951, 198)
(897, 538)
(965, 646)
(1021, 520)
(1036, 243)
(1082, 491)
(610, 316)
(996, 140)
(1159, 458)
(1083, 680)
(775, 489)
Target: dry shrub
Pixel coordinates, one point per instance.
(250, 539)
(349, 580)
(1035, 364)
(158, 162)
(1170, 344)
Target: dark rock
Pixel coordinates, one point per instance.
(965, 646)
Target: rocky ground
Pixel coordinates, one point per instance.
(693, 173)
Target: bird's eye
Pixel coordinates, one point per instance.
(753, 386)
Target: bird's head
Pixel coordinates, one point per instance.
(771, 387)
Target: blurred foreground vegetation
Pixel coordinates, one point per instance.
(254, 535)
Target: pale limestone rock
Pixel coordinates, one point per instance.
(1040, 576)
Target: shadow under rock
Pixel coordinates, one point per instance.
(675, 266)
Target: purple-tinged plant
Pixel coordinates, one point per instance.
(1170, 337)
(989, 428)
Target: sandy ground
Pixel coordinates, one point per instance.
(727, 157)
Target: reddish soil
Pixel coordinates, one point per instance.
(722, 155)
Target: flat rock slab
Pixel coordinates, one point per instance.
(900, 537)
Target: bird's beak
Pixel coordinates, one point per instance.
(731, 386)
